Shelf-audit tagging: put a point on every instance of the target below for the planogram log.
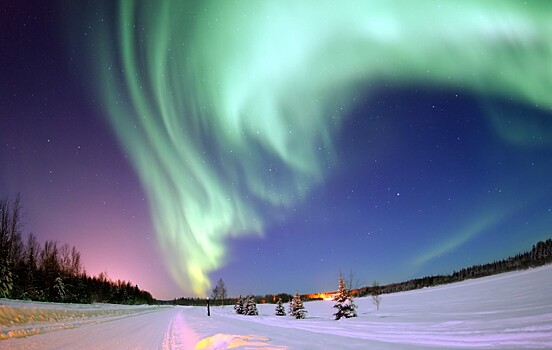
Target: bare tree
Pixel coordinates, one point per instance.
(31, 253)
(11, 245)
(376, 294)
(32, 249)
(352, 284)
(219, 292)
(6, 282)
(76, 267)
(65, 259)
(16, 227)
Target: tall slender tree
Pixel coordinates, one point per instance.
(11, 245)
(219, 292)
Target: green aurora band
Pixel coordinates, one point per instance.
(228, 108)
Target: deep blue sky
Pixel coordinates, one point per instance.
(424, 179)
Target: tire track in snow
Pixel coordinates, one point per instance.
(179, 336)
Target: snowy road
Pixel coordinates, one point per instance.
(163, 328)
(508, 311)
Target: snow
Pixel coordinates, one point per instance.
(507, 311)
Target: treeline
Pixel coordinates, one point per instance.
(259, 299)
(195, 301)
(539, 255)
(52, 272)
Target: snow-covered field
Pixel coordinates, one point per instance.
(507, 311)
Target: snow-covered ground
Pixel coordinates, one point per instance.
(507, 311)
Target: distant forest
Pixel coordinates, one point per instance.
(540, 254)
(52, 272)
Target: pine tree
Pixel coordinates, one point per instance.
(6, 281)
(280, 310)
(296, 308)
(344, 303)
(251, 306)
(239, 306)
(59, 288)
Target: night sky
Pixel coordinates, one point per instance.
(274, 145)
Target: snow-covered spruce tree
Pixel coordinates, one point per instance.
(297, 309)
(59, 288)
(344, 303)
(239, 306)
(6, 281)
(280, 309)
(245, 305)
(251, 306)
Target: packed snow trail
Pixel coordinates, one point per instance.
(507, 311)
(163, 328)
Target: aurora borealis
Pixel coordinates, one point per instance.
(415, 134)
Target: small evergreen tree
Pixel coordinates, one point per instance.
(344, 303)
(239, 306)
(296, 307)
(280, 309)
(251, 306)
